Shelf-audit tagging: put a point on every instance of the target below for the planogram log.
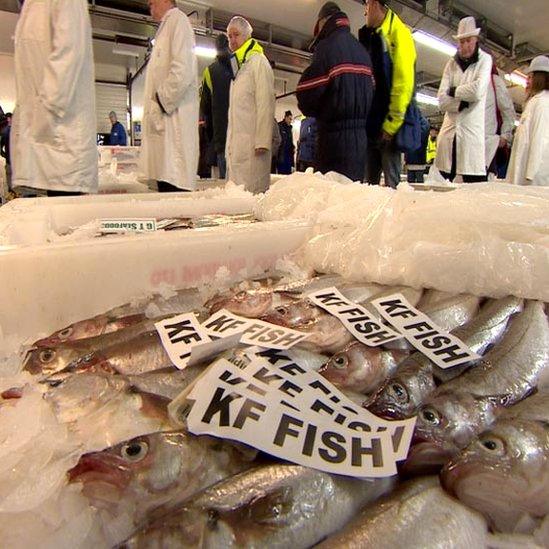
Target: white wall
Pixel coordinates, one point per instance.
(7, 86)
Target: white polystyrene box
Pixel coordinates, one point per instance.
(47, 287)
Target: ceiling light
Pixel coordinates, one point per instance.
(427, 99)
(517, 78)
(434, 43)
(204, 51)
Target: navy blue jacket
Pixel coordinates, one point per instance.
(337, 89)
(118, 135)
(307, 140)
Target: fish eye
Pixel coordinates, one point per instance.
(134, 451)
(67, 332)
(281, 310)
(492, 445)
(340, 362)
(46, 356)
(241, 295)
(399, 392)
(430, 415)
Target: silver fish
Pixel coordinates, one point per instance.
(466, 406)
(149, 471)
(275, 506)
(417, 377)
(452, 312)
(504, 474)
(418, 514)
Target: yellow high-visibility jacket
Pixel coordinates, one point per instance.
(431, 150)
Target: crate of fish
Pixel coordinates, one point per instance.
(282, 411)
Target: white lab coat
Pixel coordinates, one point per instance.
(467, 127)
(53, 138)
(529, 163)
(169, 150)
(508, 115)
(251, 115)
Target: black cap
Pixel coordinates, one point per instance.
(328, 9)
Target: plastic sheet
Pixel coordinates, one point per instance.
(487, 239)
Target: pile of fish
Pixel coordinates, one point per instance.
(478, 466)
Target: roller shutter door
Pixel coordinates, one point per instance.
(109, 97)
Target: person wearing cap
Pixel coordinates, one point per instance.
(214, 100)
(392, 49)
(462, 97)
(337, 89)
(251, 110)
(529, 163)
(118, 132)
(500, 122)
(286, 151)
(170, 143)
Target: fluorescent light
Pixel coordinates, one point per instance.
(427, 99)
(434, 43)
(204, 51)
(517, 78)
(517, 123)
(127, 49)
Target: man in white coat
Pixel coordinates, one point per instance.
(251, 110)
(169, 150)
(53, 138)
(500, 123)
(462, 97)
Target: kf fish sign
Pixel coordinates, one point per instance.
(444, 349)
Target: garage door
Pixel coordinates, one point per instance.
(109, 97)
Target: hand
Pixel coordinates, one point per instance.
(385, 137)
(502, 142)
(260, 151)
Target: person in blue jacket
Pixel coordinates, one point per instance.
(306, 146)
(337, 89)
(118, 133)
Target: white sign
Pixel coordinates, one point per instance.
(357, 319)
(444, 349)
(179, 335)
(226, 402)
(127, 225)
(254, 332)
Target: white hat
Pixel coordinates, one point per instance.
(467, 28)
(539, 64)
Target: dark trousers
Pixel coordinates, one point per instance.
(222, 165)
(165, 187)
(466, 178)
(383, 157)
(416, 176)
(303, 165)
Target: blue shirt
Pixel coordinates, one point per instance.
(118, 135)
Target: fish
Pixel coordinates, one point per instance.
(45, 361)
(452, 312)
(464, 407)
(149, 471)
(91, 327)
(275, 506)
(418, 514)
(504, 473)
(326, 333)
(417, 377)
(360, 368)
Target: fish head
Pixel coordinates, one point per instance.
(50, 360)
(503, 473)
(251, 301)
(142, 471)
(357, 367)
(403, 394)
(78, 330)
(295, 314)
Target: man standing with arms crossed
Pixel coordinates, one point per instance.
(393, 52)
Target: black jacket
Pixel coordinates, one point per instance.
(214, 101)
(337, 89)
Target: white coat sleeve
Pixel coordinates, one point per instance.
(264, 103)
(70, 28)
(507, 109)
(447, 103)
(181, 73)
(476, 89)
(539, 121)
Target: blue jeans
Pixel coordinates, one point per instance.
(222, 165)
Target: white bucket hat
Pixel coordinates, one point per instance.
(539, 64)
(467, 28)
